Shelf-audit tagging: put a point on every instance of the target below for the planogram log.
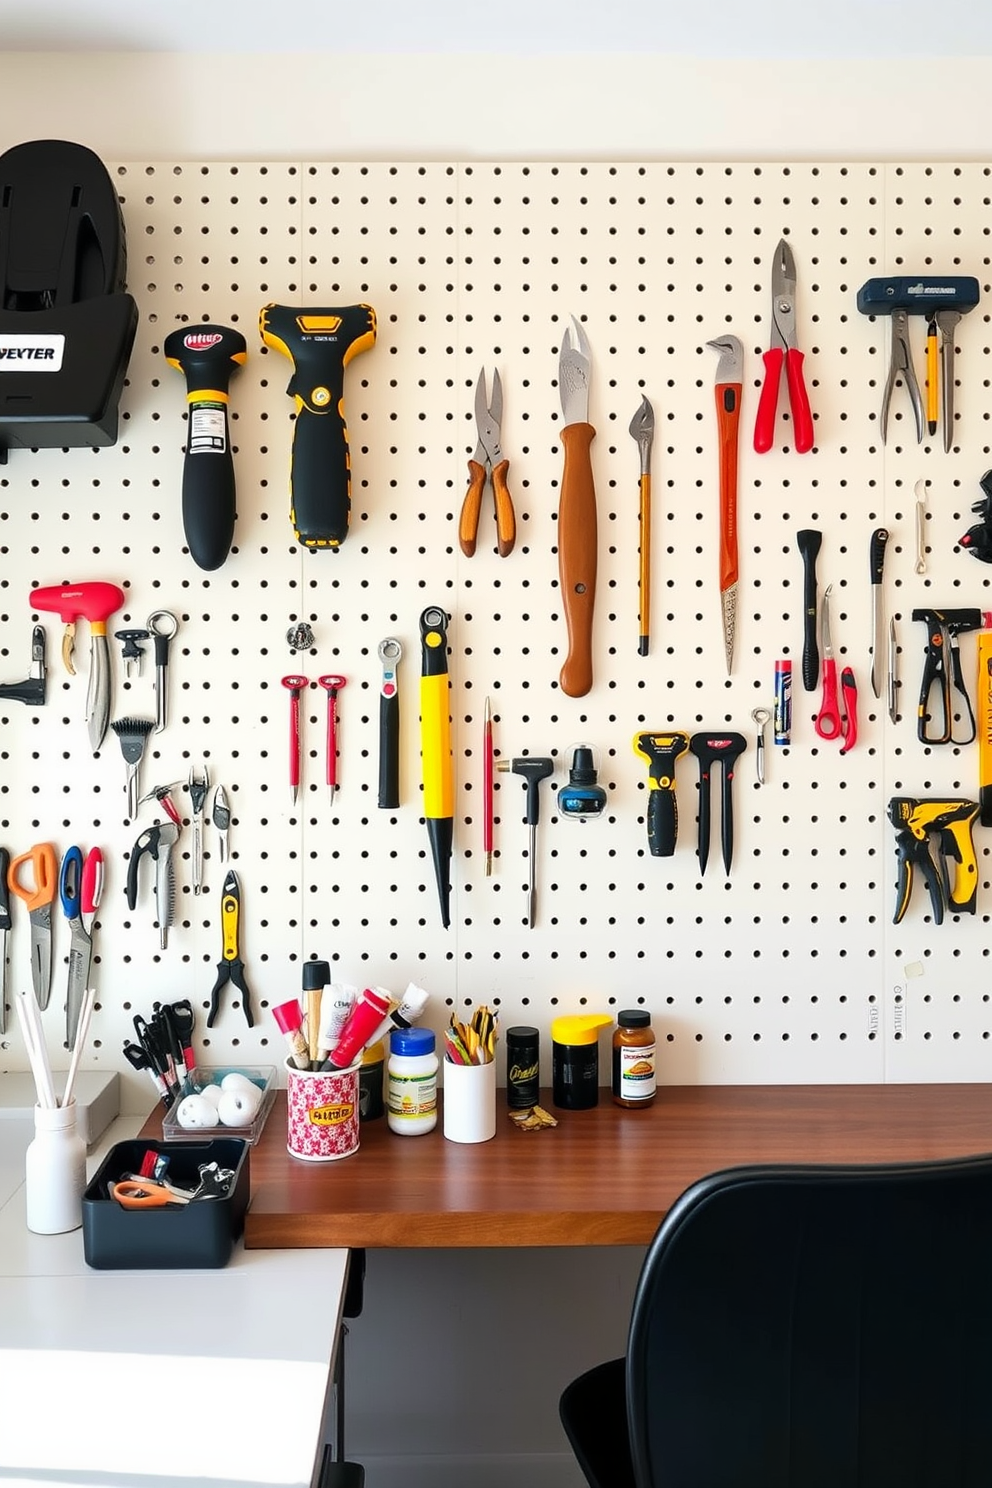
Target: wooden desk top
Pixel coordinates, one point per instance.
(601, 1177)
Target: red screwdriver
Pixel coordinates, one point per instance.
(333, 684)
(296, 684)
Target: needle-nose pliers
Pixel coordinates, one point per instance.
(487, 467)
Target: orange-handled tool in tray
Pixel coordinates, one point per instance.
(94, 602)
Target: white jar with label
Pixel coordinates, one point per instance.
(411, 1082)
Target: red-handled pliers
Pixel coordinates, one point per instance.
(836, 719)
(782, 347)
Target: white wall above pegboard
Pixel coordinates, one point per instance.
(788, 970)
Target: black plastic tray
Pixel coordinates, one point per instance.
(198, 1235)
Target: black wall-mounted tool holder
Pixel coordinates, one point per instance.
(66, 324)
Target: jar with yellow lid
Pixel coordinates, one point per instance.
(575, 1060)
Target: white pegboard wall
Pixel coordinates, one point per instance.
(790, 970)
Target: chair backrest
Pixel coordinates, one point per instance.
(817, 1327)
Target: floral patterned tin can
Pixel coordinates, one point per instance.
(322, 1108)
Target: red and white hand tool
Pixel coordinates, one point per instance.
(296, 684)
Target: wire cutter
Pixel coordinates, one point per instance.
(837, 718)
(901, 366)
(488, 467)
(782, 347)
(230, 968)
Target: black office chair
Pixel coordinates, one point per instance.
(804, 1327)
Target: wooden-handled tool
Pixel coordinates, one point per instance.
(577, 530)
(642, 432)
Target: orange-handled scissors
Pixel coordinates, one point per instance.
(146, 1193)
(38, 896)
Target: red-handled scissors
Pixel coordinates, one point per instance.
(783, 347)
(837, 718)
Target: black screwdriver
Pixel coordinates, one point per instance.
(534, 768)
(809, 546)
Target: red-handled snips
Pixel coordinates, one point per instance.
(837, 718)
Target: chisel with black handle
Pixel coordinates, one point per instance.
(809, 546)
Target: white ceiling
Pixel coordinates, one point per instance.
(885, 29)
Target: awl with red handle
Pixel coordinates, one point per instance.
(94, 602)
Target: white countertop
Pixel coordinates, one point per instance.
(215, 1378)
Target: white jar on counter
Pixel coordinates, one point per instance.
(55, 1172)
(411, 1082)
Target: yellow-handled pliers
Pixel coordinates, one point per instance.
(230, 968)
(488, 467)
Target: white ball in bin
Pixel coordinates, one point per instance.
(235, 1080)
(239, 1104)
(194, 1112)
(211, 1093)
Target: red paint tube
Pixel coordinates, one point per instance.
(289, 1016)
(363, 1023)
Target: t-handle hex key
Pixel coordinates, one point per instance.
(722, 750)
(534, 768)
